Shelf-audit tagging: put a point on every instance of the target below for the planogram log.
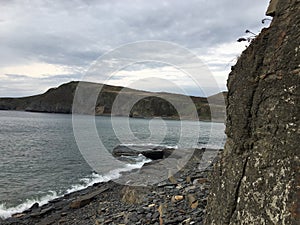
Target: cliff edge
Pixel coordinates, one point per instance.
(257, 179)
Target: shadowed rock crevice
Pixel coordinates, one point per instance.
(238, 189)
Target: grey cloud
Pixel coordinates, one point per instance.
(16, 76)
(17, 85)
(75, 33)
(63, 76)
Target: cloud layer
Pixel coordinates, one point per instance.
(44, 43)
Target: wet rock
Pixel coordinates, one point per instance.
(151, 152)
(17, 215)
(42, 212)
(86, 199)
(34, 206)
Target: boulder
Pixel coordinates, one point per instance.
(153, 154)
(132, 195)
(34, 207)
(86, 199)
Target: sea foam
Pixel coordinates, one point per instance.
(6, 212)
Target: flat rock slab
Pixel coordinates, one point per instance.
(86, 199)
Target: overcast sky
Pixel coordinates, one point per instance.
(45, 43)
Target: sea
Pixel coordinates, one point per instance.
(42, 157)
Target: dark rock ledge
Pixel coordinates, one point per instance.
(150, 151)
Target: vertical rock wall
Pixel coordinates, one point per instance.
(257, 180)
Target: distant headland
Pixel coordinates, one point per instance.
(150, 105)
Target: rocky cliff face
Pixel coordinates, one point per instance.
(257, 180)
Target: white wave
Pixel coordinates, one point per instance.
(6, 212)
(111, 175)
(149, 144)
(136, 159)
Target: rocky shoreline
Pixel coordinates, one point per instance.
(181, 199)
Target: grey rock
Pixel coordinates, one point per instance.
(151, 152)
(256, 180)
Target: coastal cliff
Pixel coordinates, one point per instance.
(60, 100)
(257, 179)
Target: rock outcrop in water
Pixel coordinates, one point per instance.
(257, 180)
(149, 151)
(60, 100)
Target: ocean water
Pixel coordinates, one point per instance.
(40, 159)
